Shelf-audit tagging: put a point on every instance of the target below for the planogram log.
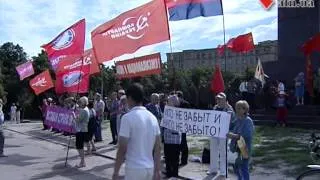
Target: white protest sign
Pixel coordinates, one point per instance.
(197, 122)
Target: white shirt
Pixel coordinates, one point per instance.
(243, 87)
(99, 107)
(281, 87)
(141, 127)
(13, 109)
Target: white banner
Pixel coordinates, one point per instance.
(197, 122)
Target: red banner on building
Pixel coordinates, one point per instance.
(41, 82)
(25, 70)
(139, 67)
(142, 26)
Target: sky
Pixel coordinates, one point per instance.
(31, 23)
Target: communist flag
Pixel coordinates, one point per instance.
(72, 75)
(73, 61)
(69, 42)
(217, 82)
(41, 82)
(309, 76)
(242, 43)
(142, 26)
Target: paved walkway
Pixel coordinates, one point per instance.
(37, 154)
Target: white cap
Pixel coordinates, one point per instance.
(121, 91)
(222, 95)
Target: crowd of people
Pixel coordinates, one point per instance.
(135, 129)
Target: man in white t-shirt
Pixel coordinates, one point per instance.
(139, 140)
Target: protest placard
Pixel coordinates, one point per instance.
(60, 118)
(197, 122)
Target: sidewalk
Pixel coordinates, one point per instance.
(191, 171)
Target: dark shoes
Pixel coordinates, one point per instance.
(2, 155)
(113, 142)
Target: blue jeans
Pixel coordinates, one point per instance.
(242, 170)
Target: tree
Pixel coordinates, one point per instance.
(11, 56)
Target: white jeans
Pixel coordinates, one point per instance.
(118, 123)
(13, 117)
(218, 156)
(18, 117)
(138, 174)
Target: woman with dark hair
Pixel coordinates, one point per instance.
(92, 126)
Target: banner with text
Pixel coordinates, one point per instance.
(60, 118)
(139, 67)
(197, 122)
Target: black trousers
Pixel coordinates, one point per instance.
(171, 152)
(113, 127)
(184, 149)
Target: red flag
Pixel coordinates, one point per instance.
(217, 83)
(230, 43)
(142, 26)
(309, 76)
(74, 77)
(41, 82)
(313, 44)
(76, 61)
(89, 57)
(70, 41)
(242, 43)
(25, 70)
(220, 50)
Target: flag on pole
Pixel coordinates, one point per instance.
(189, 9)
(142, 26)
(259, 74)
(69, 42)
(41, 82)
(309, 76)
(72, 75)
(311, 45)
(242, 43)
(75, 61)
(217, 82)
(25, 70)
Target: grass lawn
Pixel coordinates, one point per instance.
(285, 149)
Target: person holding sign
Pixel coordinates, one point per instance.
(172, 141)
(218, 146)
(242, 135)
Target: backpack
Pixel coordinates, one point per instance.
(206, 156)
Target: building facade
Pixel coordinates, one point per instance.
(266, 51)
(295, 26)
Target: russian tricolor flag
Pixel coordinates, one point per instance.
(188, 9)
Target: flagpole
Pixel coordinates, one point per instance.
(102, 79)
(224, 41)
(171, 51)
(225, 70)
